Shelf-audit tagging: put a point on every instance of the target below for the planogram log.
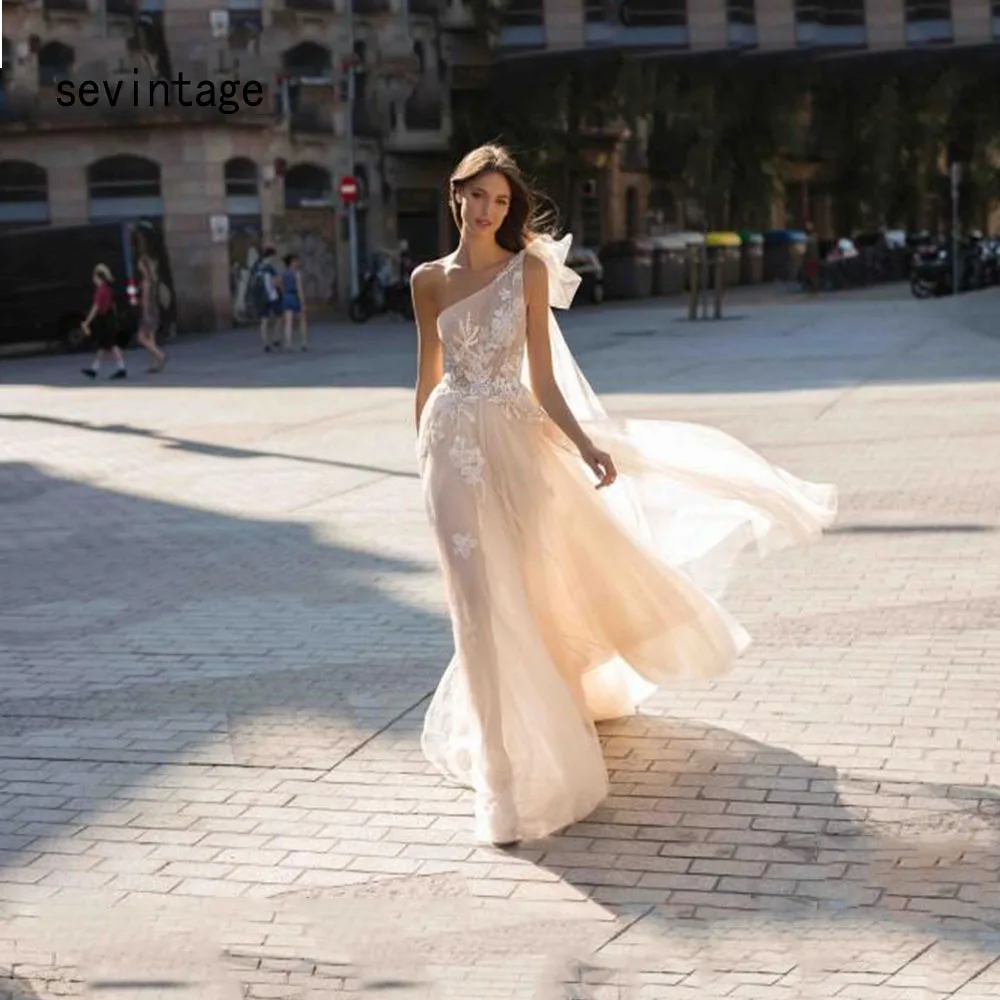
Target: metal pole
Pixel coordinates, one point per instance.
(352, 212)
(956, 177)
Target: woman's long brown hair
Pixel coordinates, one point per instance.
(525, 219)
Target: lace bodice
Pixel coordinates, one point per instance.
(483, 337)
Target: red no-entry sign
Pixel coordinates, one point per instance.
(348, 189)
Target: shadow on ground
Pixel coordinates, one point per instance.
(120, 648)
(705, 825)
(17, 988)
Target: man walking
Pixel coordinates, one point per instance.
(267, 292)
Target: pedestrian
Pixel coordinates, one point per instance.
(101, 325)
(267, 297)
(149, 313)
(293, 301)
(569, 603)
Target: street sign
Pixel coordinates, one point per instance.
(219, 226)
(348, 189)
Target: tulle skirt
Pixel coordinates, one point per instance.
(570, 605)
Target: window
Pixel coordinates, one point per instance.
(523, 24)
(242, 198)
(928, 21)
(308, 186)
(742, 18)
(308, 60)
(830, 22)
(124, 186)
(241, 177)
(55, 62)
(24, 192)
(654, 13)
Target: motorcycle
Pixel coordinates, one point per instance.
(380, 294)
(931, 271)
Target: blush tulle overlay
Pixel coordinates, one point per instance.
(571, 605)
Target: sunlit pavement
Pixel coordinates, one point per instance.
(222, 621)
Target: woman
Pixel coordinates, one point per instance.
(102, 324)
(149, 320)
(293, 299)
(569, 604)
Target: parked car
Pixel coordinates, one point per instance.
(46, 285)
(588, 265)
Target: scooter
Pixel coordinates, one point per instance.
(379, 296)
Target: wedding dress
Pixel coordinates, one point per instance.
(568, 604)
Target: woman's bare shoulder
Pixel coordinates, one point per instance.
(428, 278)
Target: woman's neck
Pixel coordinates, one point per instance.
(480, 254)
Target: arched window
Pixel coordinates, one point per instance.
(24, 193)
(242, 194)
(308, 186)
(55, 63)
(124, 187)
(308, 60)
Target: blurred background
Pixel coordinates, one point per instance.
(829, 144)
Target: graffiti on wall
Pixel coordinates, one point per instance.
(244, 250)
(313, 237)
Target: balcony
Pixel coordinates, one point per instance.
(311, 6)
(523, 25)
(662, 23)
(741, 17)
(831, 24)
(742, 36)
(65, 8)
(928, 22)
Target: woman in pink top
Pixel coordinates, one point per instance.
(101, 323)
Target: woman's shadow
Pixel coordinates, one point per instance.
(16, 988)
(707, 824)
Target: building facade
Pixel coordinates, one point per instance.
(223, 183)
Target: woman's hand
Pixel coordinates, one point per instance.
(601, 464)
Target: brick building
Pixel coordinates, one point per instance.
(271, 171)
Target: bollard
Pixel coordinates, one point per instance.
(694, 273)
(719, 283)
(706, 280)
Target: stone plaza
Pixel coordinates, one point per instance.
(222, 621)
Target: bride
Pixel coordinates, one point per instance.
(576, 582)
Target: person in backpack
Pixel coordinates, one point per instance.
(102, 325)
(267, 295)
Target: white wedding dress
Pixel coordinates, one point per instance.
(570, 604)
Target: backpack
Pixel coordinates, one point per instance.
(259, 281)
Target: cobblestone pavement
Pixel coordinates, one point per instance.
(222, 621)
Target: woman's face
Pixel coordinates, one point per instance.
(485, 202)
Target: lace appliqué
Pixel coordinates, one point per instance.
(464, 545)
(468, 459)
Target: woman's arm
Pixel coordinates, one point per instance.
(543, 382)
(429, 354)
(85, 325)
